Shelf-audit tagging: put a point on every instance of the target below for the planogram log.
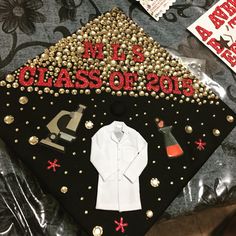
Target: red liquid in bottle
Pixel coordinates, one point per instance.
(174, 151)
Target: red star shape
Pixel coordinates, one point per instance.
(200, 144)
(121, 225)
(53, 165)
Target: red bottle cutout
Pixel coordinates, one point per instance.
(173, 148)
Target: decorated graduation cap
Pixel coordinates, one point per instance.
(111, 124)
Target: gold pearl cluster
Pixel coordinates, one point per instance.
(97, 231)
(113, 27)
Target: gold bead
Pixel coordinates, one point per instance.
(188, 129)
(119, 93)
(108, 90)
(64, 189)
(230, 119)
(80, 49)
(30, 89)
(23, 100)
(98, 91)
(15, 85)
(74, 92)
(3, 83)
(146, 54)
(113, 63)
(69, 65)
(216, 132)
(87, 91)
(97, 231)
(89, 124)
(154, 182)
(162, 95)
(141, 93)
(44, 56)
(149, 213)
(8, 119)
(46, 90)
(33, 140)
(10, 78)
(61, 90)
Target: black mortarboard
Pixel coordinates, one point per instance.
(110, 70)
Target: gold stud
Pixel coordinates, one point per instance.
(8, 119)
(89, 124)
(44, 56)
(230, 119)
(23, 100)
(149, 213)
(3, 83)
(216, 132)
(64, 189)
(98, 91)
(33, 140)
(155, 182)
(97, 231)
(188, 129)
(10, 78)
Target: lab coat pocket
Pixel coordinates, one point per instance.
(129, 153)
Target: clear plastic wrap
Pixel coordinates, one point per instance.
(24, 208)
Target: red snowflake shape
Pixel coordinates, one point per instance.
(121, 225)
(53, 165)
(200, 144)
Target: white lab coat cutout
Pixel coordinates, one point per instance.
(119, 153)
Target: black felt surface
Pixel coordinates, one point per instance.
(142, 110)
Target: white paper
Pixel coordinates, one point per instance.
(156, 8)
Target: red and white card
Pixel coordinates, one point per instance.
(217, 30)
(156, 8)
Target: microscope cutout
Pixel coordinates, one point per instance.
(63, 127)
(173, 149)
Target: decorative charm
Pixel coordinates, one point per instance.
(9, 119)
(188, 129)
(89, 124)
(103, 149)
(173, 148)
(155, 182)
(216, 132)
(97, 231)
(149, 213)
(53, 165)
(33, 140)
(200, 144)
(64, 189)
(121, 225)
(56, 133)
(23, 100)
(230, 119)
(10, 78)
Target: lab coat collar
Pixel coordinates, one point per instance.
(124, 129)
